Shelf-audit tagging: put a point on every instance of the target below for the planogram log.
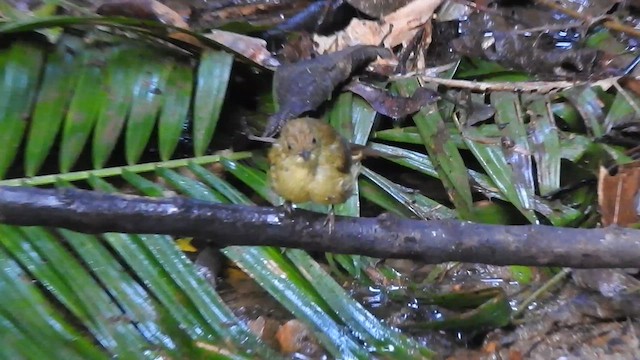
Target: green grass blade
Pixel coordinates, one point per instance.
(340, 118)
(589, 106)
(364, 117)
(387, 342)
(621, 109)
(15, 343)
(378, 196)
(420, 205)
(509, 116)
(288, 287)
(222, 187)
(545, 145)
(256, 180)
(443, 152)
(354, 119)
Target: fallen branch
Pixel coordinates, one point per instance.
(382, 237)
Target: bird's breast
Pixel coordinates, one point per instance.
(290, 179)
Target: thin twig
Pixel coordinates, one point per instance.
(541, 87)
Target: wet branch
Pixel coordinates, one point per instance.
(383, 237)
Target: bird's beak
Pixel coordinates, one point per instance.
(305, 155)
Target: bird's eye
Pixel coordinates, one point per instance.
(289, 146)
(313, 141)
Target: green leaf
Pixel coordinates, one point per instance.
(36, 327)
(83, 110)
(282, 281)
(621, 109)
(151, 73)
(57, 269)
(119, 79)
(589, 106)
(442, 151)
(212, 80)
(177, 99)
(21, 66)
(179, 287)
(493, 313)
(545, 144)
(58, 83)
(387, 342)
(515, 149)
(420, 205)
(493, 161)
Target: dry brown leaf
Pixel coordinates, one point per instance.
(149, 10)
(143, 9)
(265, 328)
(619, 195)
(252, 48)
(396, 28)
(408, 19)
(294, 336)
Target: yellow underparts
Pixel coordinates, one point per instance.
(298, 182)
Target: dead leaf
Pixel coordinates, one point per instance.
(396, 28)
(252, 48)
(619, 195)
(149, 10)
(393, 106)
(294, 336)
(143, 9)
(264, 328)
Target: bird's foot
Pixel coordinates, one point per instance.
(287, 206)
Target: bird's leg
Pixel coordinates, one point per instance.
(287, 206)
(331, 219)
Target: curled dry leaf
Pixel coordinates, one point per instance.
(305, 85)
(143, 9)
(252, 48)
(395, 28)
(148, 10)
(390, 105)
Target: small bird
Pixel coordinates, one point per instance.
(311, 162)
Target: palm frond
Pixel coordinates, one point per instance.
(95, 296)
